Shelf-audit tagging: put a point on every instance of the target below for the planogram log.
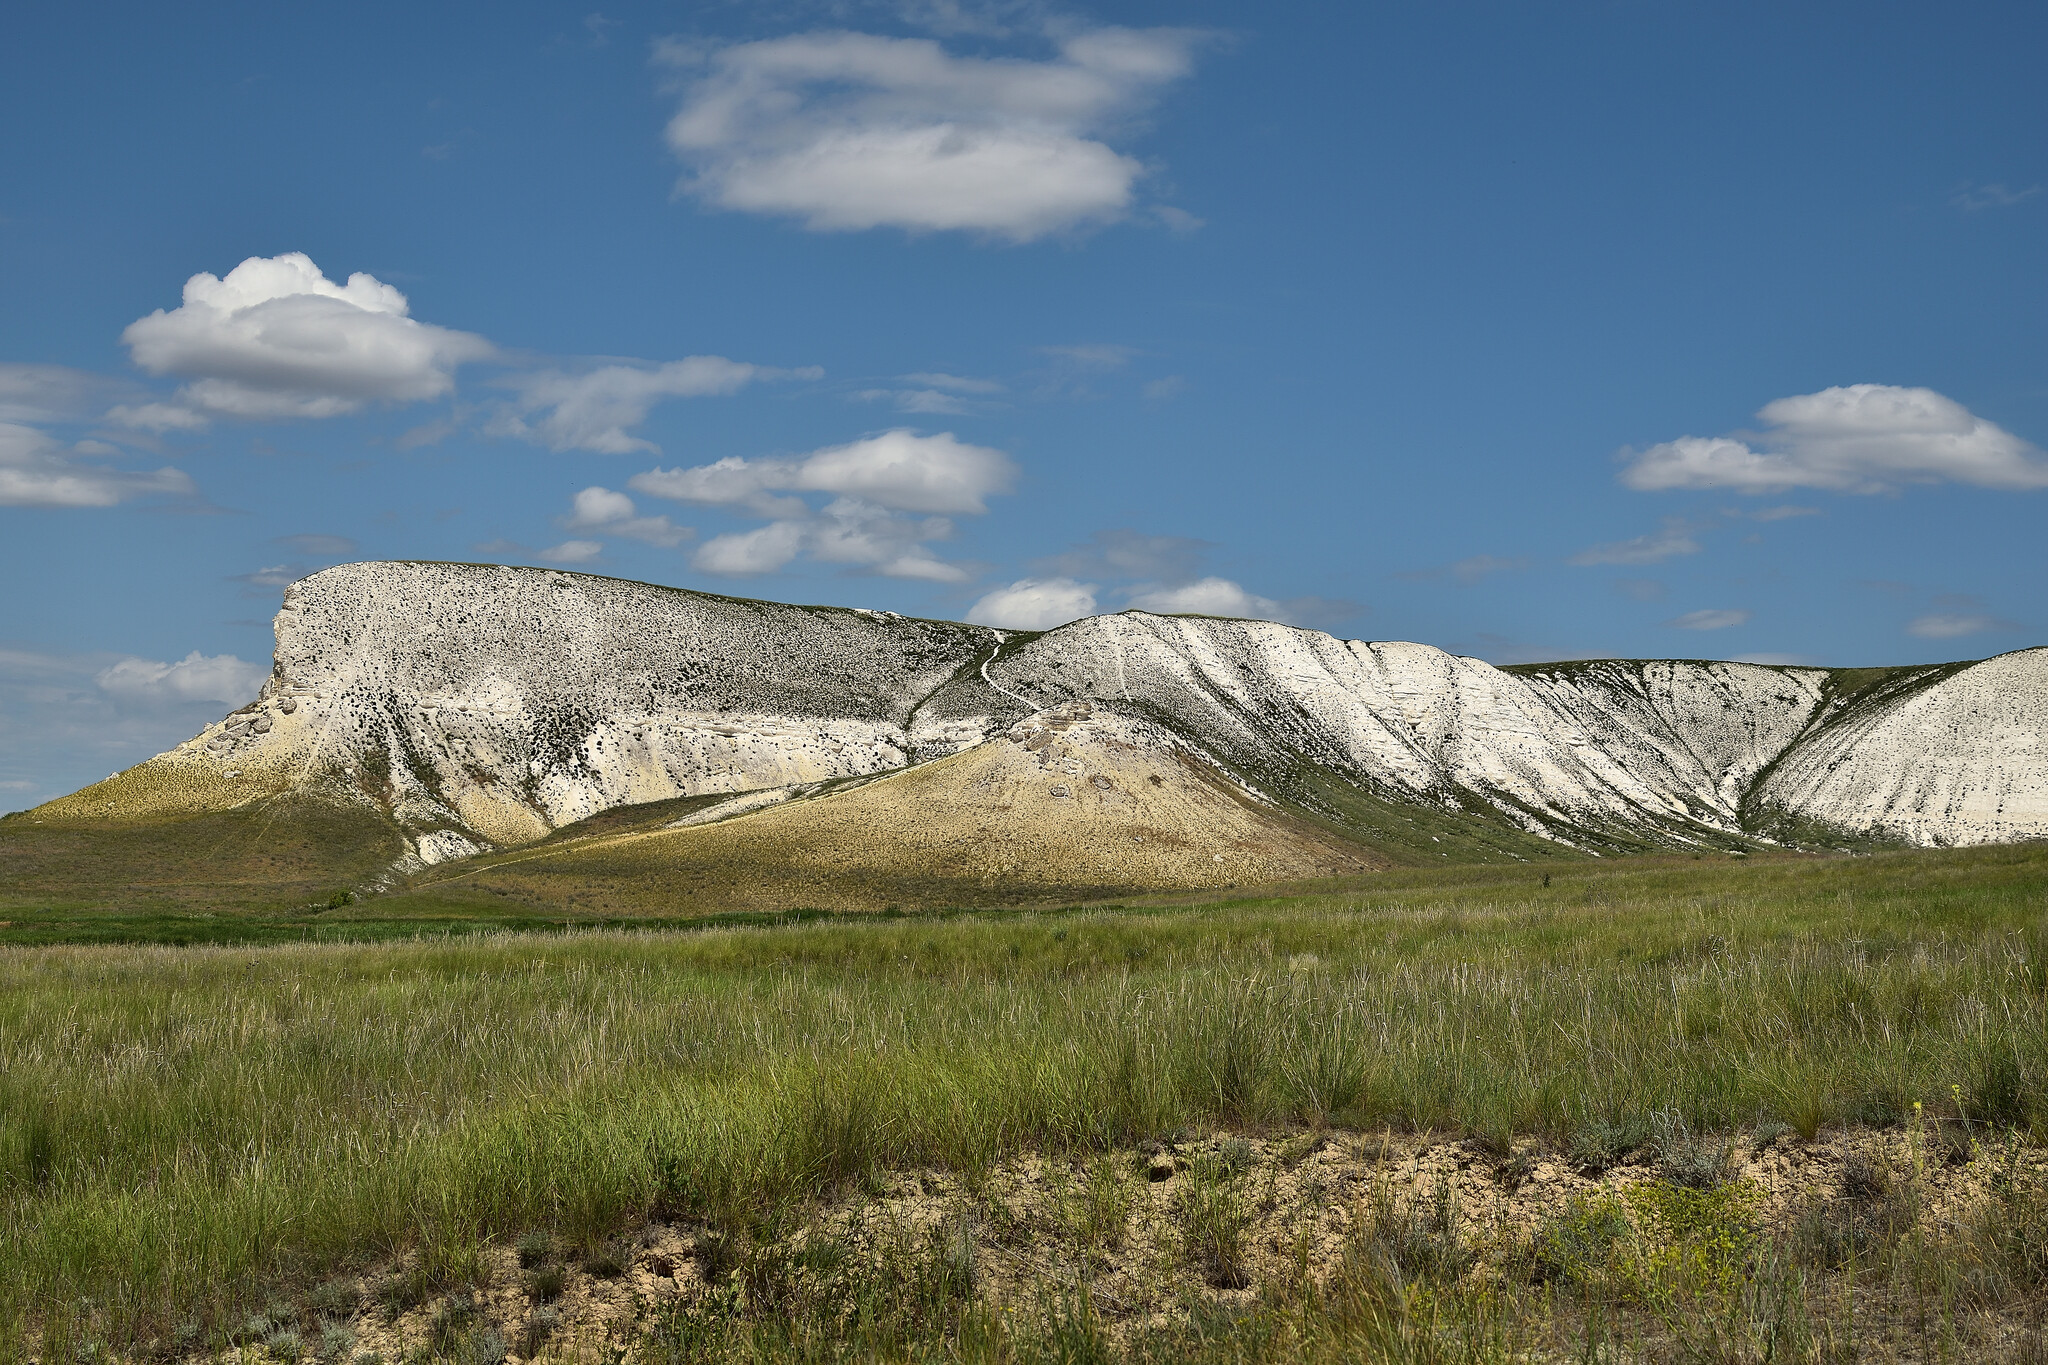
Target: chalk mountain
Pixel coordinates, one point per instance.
(756, 753)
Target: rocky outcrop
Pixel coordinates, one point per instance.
(484, 706)
(502, 703)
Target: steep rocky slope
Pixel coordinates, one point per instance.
(1623, 751)
(479, 707)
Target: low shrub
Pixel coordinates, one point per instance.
(546, 1282)
(1599, 1145)
(535, 1248)
(1576, 1246)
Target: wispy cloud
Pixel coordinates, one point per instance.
(38, 394)
(568, 552)
(266, 581)
(1996, 195)
(1091, 355)
(1949, 625)
(1127, 554)
(594, 409)
(1673, 538)
(321, 546)
(38, 470)
(66, 719)
(1473, 569)
(1710, 619)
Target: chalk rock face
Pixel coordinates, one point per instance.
(1698, 734)
(509, 702)
(1618, 745)
(483, 706)
(1943, 756)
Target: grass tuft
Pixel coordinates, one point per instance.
(1213, 1215)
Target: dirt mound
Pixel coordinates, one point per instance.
(1151, 1252)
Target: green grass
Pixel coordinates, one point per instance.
(186, 1132)
(278, 855)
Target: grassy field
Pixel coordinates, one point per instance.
(191, 1135)
(283, 856)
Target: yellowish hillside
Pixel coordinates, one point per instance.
(1072, 802)
(176, 783)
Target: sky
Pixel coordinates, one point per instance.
(1531, 331)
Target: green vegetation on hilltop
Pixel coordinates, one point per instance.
(186, 1133)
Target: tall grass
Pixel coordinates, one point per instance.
(184, 1130)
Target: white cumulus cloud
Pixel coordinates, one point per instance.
(1208, 597)
(1034, 604)
(897, 469)
(878, 480)
(571, 552)
(1165, 574)
(37, 470)
(847, 131)
(219, 678)
(1859, 438)
(276, 338)
(603, 511)
(912, 473)
(742, 554)
(847, 531)
(1710, 619)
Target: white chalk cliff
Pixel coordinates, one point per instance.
(483, 706)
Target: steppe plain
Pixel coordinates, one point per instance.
(1718, 1108)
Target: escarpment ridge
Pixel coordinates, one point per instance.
(480, 708)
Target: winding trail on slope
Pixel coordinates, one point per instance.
(1024, 702)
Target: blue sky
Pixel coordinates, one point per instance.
(1530, 331)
